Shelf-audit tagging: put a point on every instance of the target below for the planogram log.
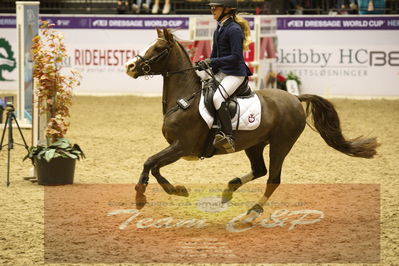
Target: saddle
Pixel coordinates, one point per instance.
(209, 89)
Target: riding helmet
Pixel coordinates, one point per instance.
(224, 3)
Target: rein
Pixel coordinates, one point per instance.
(169, 73)
(177, 107)
(145, 67)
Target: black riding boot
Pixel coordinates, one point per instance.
(224, 139)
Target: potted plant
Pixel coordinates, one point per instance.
(55, 157)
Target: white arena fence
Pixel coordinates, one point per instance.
(333, 55)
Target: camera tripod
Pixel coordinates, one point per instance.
(10, 117)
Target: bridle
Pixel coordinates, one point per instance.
(145, 66)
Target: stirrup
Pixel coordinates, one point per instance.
(224, 142)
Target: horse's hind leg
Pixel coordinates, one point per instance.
(258, 169)
(279, 149)
(164, 157)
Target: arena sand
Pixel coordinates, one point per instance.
(119, 133)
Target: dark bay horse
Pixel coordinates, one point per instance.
(282, 121)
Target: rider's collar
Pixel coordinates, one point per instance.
(221, 23)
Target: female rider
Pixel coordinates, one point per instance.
(231, 38)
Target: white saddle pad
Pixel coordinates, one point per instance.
(250, 113)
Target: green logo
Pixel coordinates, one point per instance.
(7, 60)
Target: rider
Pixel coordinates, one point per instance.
(230, 39)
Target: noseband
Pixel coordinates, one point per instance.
(145, 67)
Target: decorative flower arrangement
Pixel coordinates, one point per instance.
(54, 93)
(281, 80)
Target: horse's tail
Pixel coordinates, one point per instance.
(326, 122)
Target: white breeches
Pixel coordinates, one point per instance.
(229, 84)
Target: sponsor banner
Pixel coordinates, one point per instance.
(8, 21)
(251, 21)
(96, 22)
(329, 62)
(267, 25)
(8, 59)
(202, 28)
(99, 53)
(341, 63)
(102, 59)
(338, 223)
(128, 23)
(339, 23)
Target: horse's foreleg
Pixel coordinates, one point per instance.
(169, 188)
(172, 154)
(258, 169)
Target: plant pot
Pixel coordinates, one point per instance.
(59, 171)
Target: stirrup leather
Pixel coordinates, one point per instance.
(224, 142)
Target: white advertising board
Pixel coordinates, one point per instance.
(334, 55)
(99, 46)
(8, 54)
(341, 56)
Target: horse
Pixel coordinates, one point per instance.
(283, 119)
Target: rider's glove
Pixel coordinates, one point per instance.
(204, 64)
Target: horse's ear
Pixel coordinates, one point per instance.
(160, 33)
(167, 35)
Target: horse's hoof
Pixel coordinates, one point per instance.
(141, 200)
(140, 188)
(181, 191)
(253, 213)
(227, 195)
(256, 208)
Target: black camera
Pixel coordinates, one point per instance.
(7, 100)
(6, 103)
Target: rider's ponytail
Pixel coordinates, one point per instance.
(246, 30)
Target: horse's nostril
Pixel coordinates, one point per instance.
(131, 67)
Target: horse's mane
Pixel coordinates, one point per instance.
(177, 40)
(184, 52)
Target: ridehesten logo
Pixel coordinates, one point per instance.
(7, 60)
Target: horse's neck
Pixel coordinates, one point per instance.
(179, 85)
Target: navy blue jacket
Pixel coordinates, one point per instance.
(227, 50)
